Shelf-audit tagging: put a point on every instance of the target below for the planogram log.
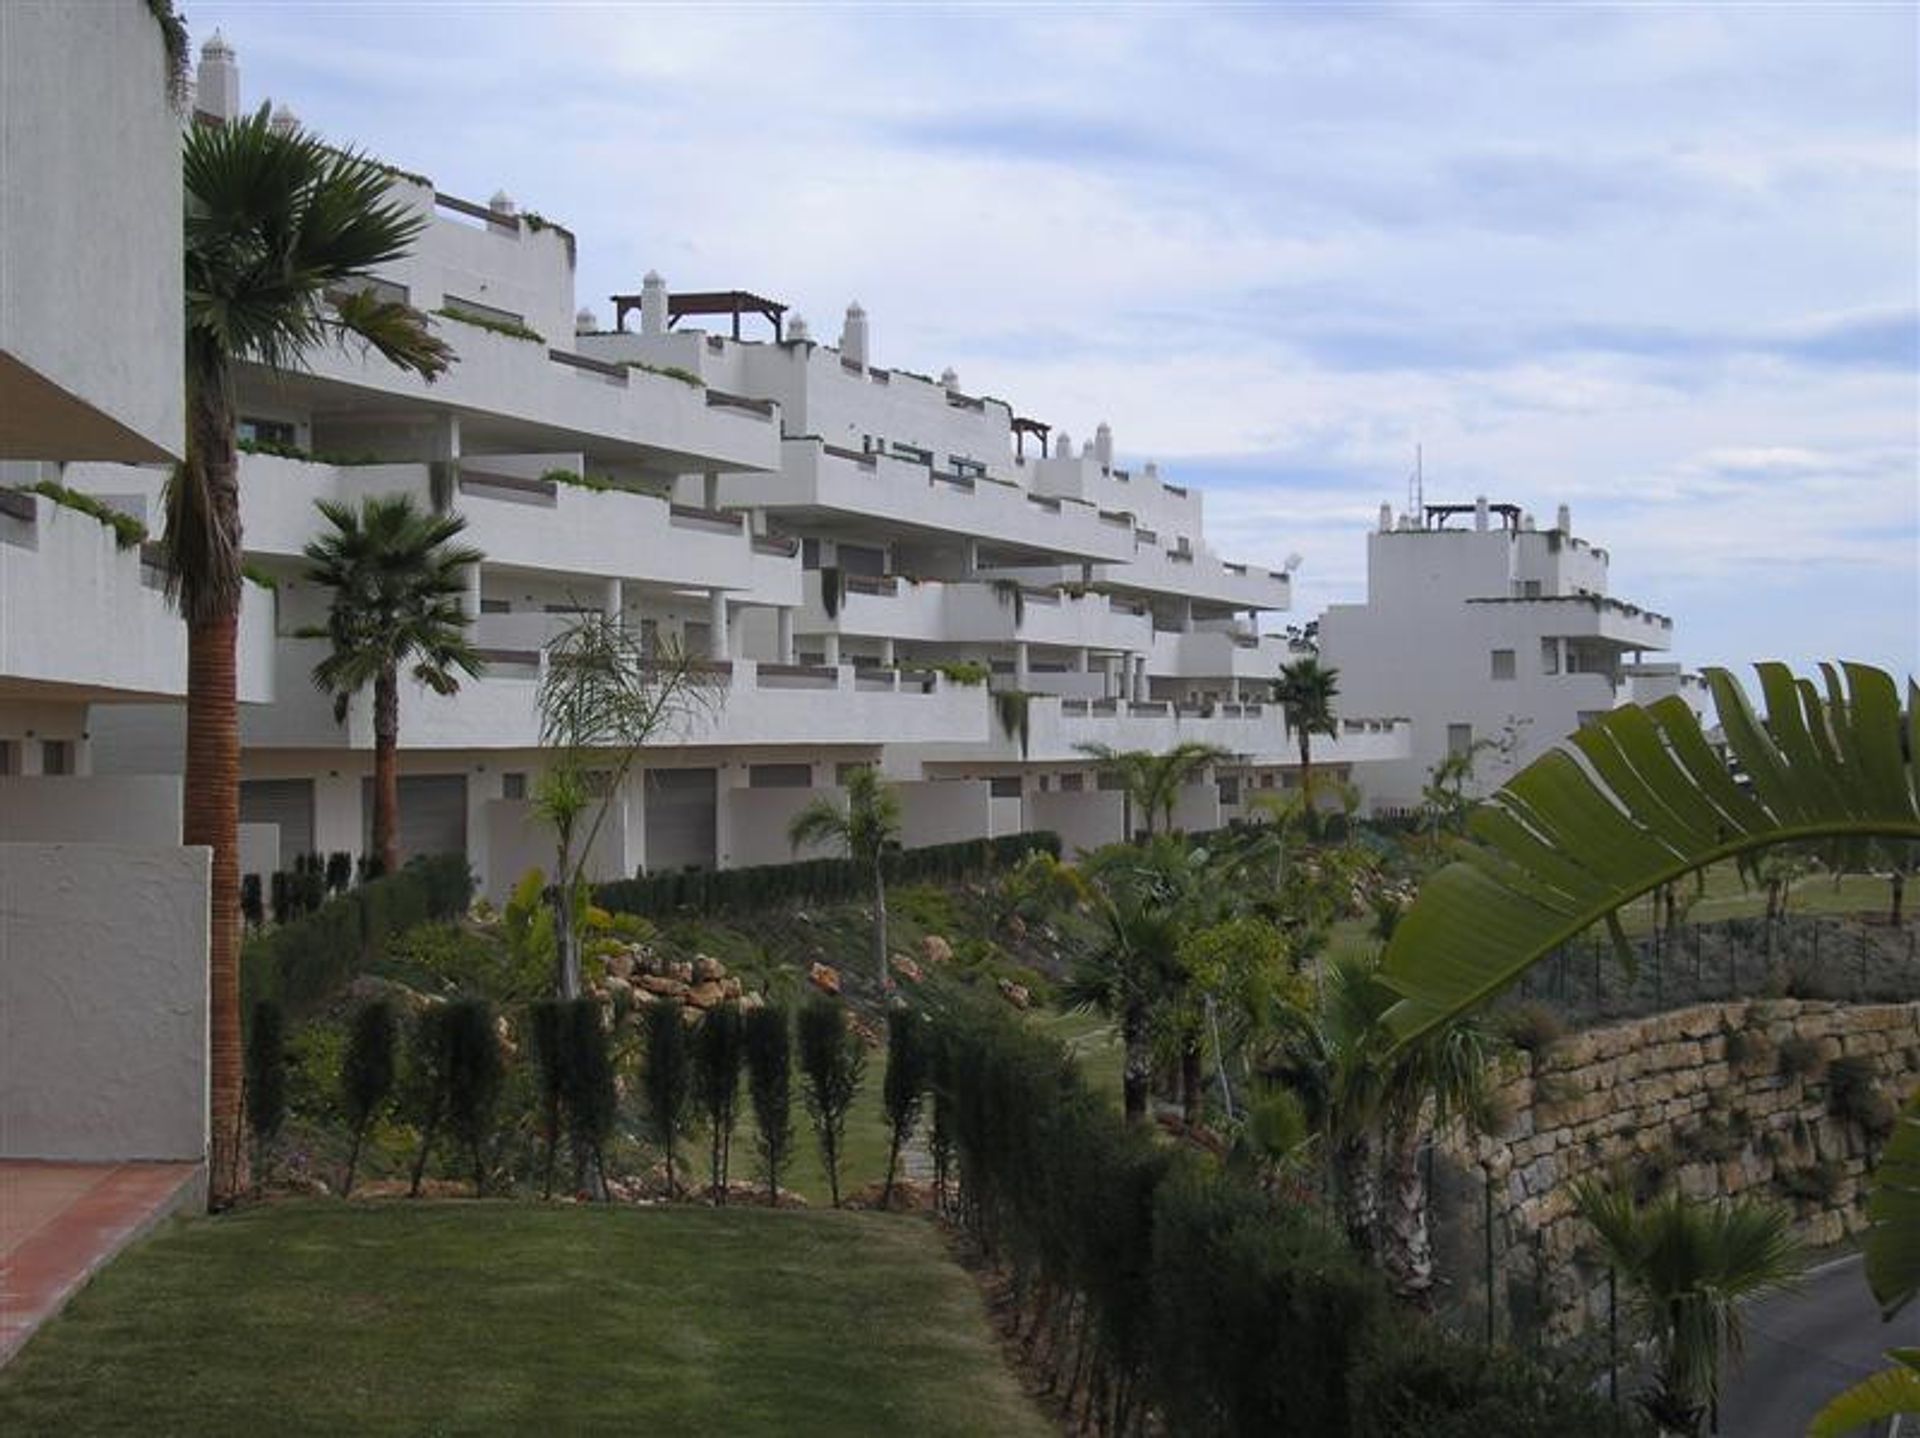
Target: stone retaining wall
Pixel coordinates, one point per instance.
(1720, 1100)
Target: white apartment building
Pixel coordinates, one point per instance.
(1483, 629)
(103, 913)
(829, 531)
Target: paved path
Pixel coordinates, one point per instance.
(1804, 1347)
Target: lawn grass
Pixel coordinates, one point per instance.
(457, 1318)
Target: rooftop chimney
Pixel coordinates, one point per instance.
(1563, 520)
(653, 304)
(853, 335)
(797, 330)
(1103, 445)
(284, 121)
(949, 379)
(584, 323)
(502, 203)
(1386, 518)
(216, 89)
(1480, 514)
(1063, 445)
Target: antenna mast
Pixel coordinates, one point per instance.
(1417, 490)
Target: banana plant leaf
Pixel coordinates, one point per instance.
(1639, 799)
(1893, 1242)
(1873, 1400)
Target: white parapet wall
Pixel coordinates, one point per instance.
(103, 1002)
(129, 809)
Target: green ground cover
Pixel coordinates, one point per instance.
(454, 1318)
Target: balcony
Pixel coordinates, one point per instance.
(1056, 728)
(1219, 654)
(975, 612)
(1590, 616)
(829, 482)
(88, 619)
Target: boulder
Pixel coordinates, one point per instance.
(730, 987)
(709, 995)
(620, 965)
(1015, 994)
(824, 977)
(682, 971)
(907, 969)
(707, 969)
(936, 950)
(665, 987)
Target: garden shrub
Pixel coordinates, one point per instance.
(905, 1089)
(1854, 1093)
(304, 961)
(366, 1076)
(427, 1065)
(667, 1079)
(475, 1072)
(768, 1040)
(590, 1094)
(717, 1057)
(1800, 1057)
(832, 1063)
(549, 1025)
(266, 1079)
(1530, 1026)
(1425, 1382)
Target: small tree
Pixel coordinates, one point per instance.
(866, 828)
(266, 1080)
(1152, 782)
(717, 1054)
(832, 1062)
(602, 698)
(427, 1083)
(475, 1073)
(668, 1080)
(905, 1089)
(366, 1076)
(769, 1049)
(1305, 692)
(592, 1098)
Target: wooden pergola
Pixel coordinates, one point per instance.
(1509, 513)
(709, 302)
(1024, 427)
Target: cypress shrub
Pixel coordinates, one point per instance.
(266, 1080)
(339, 872)
(475, 1073)
(591, 1096)
(668, 1080)
(768, 1039)
(427, 1067)
(905, 1089)
(252, 905)
(548, 1021)
(280, 895)
(832, 1063)
(717, 1055)
(366, 1076)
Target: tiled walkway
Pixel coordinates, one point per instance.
(59, 1222)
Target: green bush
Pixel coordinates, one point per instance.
(303, 962)
(832, 1064)
(1800, 1057)
(667, 1079)
(768, 1039)
(1432, 1384)
(549, 1025)
(474, 1075)
(266, 1079)
(366, 1076)
(717, 1055)
(904, 1092)
(814, 881)
(1854, 1093)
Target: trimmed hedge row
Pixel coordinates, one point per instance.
(300, 965)
(813, 881)
(1166, 1292)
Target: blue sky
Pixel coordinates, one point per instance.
(1658, 262)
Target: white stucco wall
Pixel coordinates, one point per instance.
(103, 1002)
(1084, 821)
(90, 291)
(138, 810)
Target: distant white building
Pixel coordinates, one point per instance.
(1490, 634)
(835, 536)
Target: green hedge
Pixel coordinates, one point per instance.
(813, 881)
(302, 964)
(1167, 1292)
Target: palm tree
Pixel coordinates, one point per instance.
(278, 227)
(397, 581)
(1568, 841)
(866, 828)
(1152, 782)
(1126, 975)
(1305, 693)
(1689, 1267)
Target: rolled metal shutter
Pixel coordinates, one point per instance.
(285, 802)
(681, 829)
(433, 814)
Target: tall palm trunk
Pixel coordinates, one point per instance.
(880, 923)
(211, 812)
(1358, 1183)
(386, 770)
(1137, 1070)
(1406, 1237)
(1306, 777)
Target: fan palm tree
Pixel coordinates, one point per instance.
(397, 581)
(1689, 1267)
(867, 827)
(1305, 692)
(278, 228)
(1126, 975)
(1373, 1103)
(1152, 782)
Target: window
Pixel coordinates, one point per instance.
(266, 431)
(1549, 656)
(56, 756)
(1004, 787)
(1459, 739)
(780, 776)
(496, 606)
(1532, 590)
(513, 786)
(1073, 783)
(809, 554)
(1230, 790)
(1503, 664)
(844, 772)
(486, 314)
(7, 765)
